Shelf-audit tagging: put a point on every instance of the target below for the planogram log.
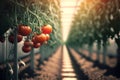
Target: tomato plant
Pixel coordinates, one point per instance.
(47, 29)
(2, 39)
(11, 38)
(40, 38)
(26, 49)
(32, 16)
(24, 30)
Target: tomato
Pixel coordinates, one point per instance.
(47, 29)
(40, 38)
(36, 45)
(33, 40)
(11, 38)
(2, 39)
(26, 49)
(19, 38)
(28, 43)
(24, 30)
(47, 37)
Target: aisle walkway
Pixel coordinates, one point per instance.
(68, 72)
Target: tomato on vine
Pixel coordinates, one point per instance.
(26, 49)
(47, 29)
(24, 30)
(33, 40)
(40, 38)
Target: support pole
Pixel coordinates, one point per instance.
(32, 59)
(15, 56)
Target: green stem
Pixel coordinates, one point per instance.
(34, 15)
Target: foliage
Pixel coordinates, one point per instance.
(95, 20)
(34, 13)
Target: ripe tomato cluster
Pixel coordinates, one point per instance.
(35, 41)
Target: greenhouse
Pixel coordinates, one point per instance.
(60, 40)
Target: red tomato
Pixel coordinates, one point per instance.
(36, 45)
(28, 43)
(40, 38)
(2, 39)
(47, 37)
(33, 40)
(11, 38)
(26, 49)
(47, 29)
(24, 30)
(19, 38)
